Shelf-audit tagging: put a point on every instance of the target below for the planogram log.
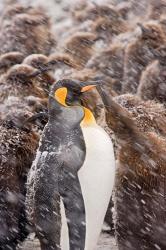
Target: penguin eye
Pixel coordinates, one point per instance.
(60, 95)
(87, 42)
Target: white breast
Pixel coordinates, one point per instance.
(97, 180)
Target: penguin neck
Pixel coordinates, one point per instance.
(89, 119)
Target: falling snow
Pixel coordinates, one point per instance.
(122, 43)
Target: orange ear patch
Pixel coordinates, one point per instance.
(88, 119)
(60, 95)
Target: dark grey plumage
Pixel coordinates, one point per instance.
(53, 174)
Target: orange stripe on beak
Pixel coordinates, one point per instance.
(86, 88)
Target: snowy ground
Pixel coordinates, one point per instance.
(106, 242)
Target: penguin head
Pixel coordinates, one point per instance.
(21, 73)
(9, 59)
(152, 33)
(65, 97)
(68, 92)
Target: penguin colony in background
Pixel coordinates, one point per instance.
(121, 45)
(18, 142)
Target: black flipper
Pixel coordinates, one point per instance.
(47, 205)
(71, 193)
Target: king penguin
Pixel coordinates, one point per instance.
(71, 180)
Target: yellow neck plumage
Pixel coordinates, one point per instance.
(88, 120)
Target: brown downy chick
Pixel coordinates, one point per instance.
(80, 48)
(63, 65)
(124, 9)
(37, 61)
(139, 54)
(148, 84)
(107, 28)
(77, 11)
(139, 9)
(95, 11)
(40, 62)
(17, 149)
(56, 63)
(19, 82)
(50, 67)
(57, 60)
(153, 80)
(110, 62)
(27, 33)
(139, 185)
(20, 109)
(18, 145)
(10, 59)
(157, 8)
(47, 66)
(11, 11)
(163, 23)
(152, 84)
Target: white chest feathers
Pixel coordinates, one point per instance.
(97, 179)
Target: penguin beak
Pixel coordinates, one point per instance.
(144, 30)
(88, 86)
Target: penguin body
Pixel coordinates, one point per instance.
(55, 181)
(96, 178)
(140, 171)
(72, 177)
